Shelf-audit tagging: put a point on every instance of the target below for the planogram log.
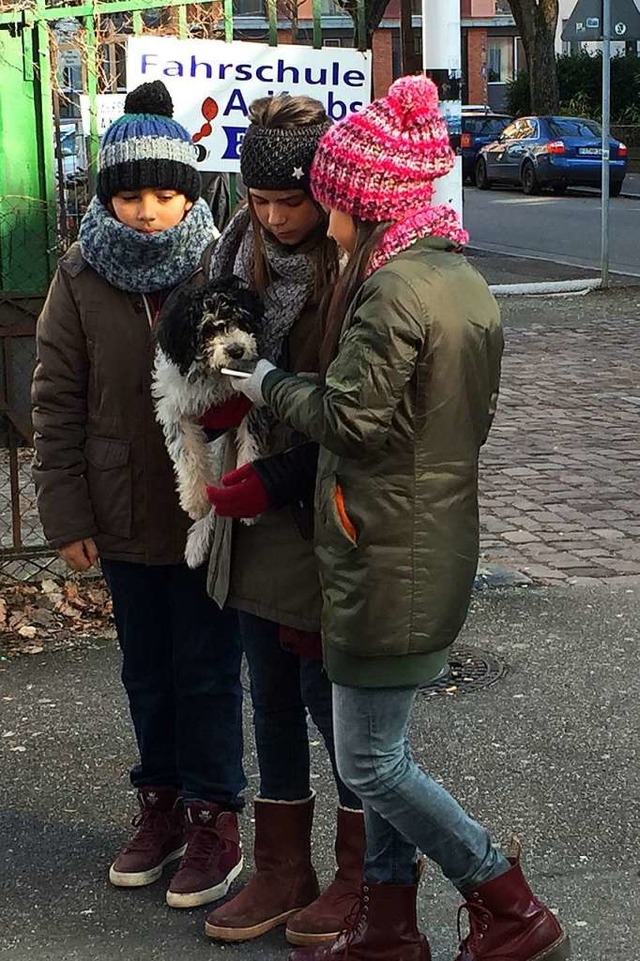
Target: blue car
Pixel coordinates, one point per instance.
(555, 152)
(480, 126)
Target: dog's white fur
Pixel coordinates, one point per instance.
(180, 400)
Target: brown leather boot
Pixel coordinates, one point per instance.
(284, 880)
(508, 923)
(382, 927)
(323, 920)
(159, 838)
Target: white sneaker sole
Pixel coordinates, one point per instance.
(196, 898)
(125, 879)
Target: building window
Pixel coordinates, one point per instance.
(501, 59)
(503, 8)
(249, 8)
(330, 8)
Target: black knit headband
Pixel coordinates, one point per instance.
(278, 158)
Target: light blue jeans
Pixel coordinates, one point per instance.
(405, 810)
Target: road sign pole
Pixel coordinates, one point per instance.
(442, 60)
(606, 138)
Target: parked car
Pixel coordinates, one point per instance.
(556, 152)
(480, 126)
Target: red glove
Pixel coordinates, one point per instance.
(243, 494)
(229, 414)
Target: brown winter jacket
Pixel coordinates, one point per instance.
(101, 468)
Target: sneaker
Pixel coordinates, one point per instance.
(158, 840)
(213, 857)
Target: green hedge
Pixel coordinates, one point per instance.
(580, 82)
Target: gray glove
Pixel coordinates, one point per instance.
(251, 386)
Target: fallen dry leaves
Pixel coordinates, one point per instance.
(52, 613)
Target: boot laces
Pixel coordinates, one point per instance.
(356, 917)
(479, 920)
(149, 824)
(202, 843)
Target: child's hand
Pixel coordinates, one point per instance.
(80, 555)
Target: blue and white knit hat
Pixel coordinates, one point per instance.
(147, 148)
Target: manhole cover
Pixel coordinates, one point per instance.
(469, 670)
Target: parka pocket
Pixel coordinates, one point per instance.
(110, 484)
(335, 515)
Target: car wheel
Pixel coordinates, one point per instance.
(529, 180)
(559, 189)
(482, 181)
(615, 189)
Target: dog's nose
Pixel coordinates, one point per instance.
(235, 351)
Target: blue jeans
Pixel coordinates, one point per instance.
(181, 659)
(283, 686)
(405, 810)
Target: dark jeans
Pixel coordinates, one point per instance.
(283, 686)
(181, 661)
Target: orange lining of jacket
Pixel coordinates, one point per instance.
(347, 523)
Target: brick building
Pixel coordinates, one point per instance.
(491, 52)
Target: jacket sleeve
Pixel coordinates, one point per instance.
(289, 477)
(59, 399)
(378, 352)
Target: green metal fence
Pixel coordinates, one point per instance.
(42, 201)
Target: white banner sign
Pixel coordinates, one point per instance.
(212, 84)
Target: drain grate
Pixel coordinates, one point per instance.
(469, 670)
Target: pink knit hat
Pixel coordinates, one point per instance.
(381, 162)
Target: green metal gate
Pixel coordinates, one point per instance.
(39, 211)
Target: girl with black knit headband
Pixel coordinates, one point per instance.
(267, 571)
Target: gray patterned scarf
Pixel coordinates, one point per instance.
(139, 262)
(291, 286)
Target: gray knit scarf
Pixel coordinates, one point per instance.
(133, 261)
(291, 286)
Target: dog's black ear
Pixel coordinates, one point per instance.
(246, 298)
(176, 328)
(251, 304)
(239, 291)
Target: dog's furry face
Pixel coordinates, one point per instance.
(201, 329)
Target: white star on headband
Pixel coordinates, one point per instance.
(298, 173)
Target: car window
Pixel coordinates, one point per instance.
(511, 132)
(485, 126)
(528, 128)
(574, 127)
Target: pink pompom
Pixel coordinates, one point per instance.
(415, 97)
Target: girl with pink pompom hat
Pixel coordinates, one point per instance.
(412, 353)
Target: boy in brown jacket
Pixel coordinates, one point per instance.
(106, 493)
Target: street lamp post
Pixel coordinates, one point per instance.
(442, 61)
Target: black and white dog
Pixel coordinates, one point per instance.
(199, 331)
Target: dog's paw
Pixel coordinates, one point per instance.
(198, 544)
(195, 504)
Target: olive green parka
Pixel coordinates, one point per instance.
(406, 406)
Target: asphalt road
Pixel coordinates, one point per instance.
(550, 751)
(558, 229)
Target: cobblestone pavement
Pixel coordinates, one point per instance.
(560, 474)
